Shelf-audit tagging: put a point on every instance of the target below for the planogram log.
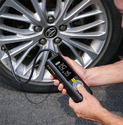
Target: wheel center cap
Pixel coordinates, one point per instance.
(50, 32)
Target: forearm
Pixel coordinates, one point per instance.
(109, 74)
(108, 118)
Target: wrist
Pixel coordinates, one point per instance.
(102, 75)
(107, 118)
(91, 76)
(103, 117)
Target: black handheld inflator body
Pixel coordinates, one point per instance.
(61, 70)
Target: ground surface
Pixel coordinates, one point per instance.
(52, 109)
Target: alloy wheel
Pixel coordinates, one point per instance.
(74, 28)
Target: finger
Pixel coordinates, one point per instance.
(51, 77)
(71, 103)
(82, 91)
(60, 87)
(56, 83)
(64, 92)
(70, 61)
(77, 68)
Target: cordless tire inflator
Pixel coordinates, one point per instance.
(62, 71)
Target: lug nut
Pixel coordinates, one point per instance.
(50, 19)
(63, 27)
(42, 41)
(37, 28)
(57, 40)
(3, 47)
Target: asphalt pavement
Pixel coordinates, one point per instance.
(18, 108)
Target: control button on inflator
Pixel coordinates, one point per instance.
(76, 83)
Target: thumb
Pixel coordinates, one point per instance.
(82, 91)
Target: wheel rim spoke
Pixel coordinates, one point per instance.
(64, 9)
(29, 67)
(16, 39)
(18, 49)
(41, 68)
(20, 60)
(39, 11)
(15, 17)
(15, 30)
(92, 35)
(44, 7)
(84, 48)
(88, 14)
(75, 53)
(80, 7)
(86, 27)
(18, 6)
(58, 8)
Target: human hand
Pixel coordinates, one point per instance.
(76, 67)
(89, 108)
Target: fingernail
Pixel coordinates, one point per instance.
(78, 85)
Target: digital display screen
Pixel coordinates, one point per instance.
(63, 68)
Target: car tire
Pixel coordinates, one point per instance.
(110, 48)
